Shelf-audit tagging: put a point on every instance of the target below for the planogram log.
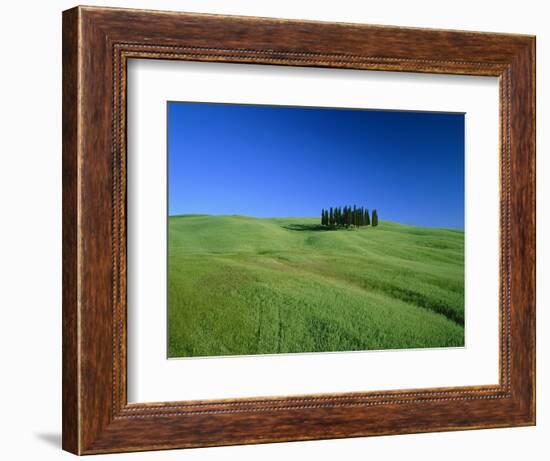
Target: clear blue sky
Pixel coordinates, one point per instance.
(276, 161)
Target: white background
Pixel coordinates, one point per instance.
(30, 243)
(153, 378)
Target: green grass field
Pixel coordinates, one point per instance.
(241, 285)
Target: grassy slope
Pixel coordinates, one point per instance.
(241, 285)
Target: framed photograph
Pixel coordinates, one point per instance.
(281, 230)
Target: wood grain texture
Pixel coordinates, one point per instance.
(97, 43)
(70, 384)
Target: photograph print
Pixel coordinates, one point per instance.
(313, 229)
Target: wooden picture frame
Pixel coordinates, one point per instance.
(97, 43)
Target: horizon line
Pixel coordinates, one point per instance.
(308, 217)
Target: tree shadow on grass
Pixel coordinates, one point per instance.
(308, 227)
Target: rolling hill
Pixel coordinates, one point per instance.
(241, 285)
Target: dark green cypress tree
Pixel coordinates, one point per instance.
(374, 218)
(354, 216)
(367, 218)
(322, 217)
(331, 217)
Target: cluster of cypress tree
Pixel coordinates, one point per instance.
(348, 216)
